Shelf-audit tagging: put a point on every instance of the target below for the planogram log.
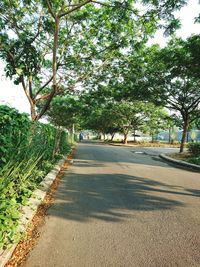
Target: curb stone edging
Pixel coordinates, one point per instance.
(186, 165)
(137, 145)
(30, 209)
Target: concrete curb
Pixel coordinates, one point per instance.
(123, 145)
(137, 145)
(29, 211)
(180, 163)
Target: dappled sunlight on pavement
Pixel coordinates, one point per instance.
(118, 208)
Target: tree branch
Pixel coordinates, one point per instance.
(50, 9)
(43, 86)
(30, 88)
(38, 29)
(27, 93)
(102, 4)
(195, 103)
(75, 8)
(47, 104)
(121, 6)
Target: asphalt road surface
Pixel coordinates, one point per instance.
(116, 207)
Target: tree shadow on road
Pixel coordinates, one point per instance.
(110, 197)
(195, 192)
(84, 196)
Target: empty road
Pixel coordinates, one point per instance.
(115, 207)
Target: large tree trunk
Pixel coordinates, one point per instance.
(32, 132)
(71, 133)
(29, 94)
(184, 134)
(112, 136)
(99, 136)
(169, 135)
(54, 70)
(33, 112)
(187, 136)
(57, 141)
(125, 138)
(54, 88)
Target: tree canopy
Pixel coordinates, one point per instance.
(50, 47)
(173, 80)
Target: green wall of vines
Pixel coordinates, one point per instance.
(27, 153)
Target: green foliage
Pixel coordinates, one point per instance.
(172, 79)
(108, 116)
(102, 119)
(131, 115)
(194, 160)
(197, 123)
(17, 181)
(14, 132)
(22, 138)
(156, 119)
(194, 148)
(83, 38)
(65, 111)
(28, 152)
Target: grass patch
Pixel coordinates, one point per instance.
(187, 157)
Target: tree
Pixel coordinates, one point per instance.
(157, 119)
(102, 119)
(50, 46)
(171, 82)
(130, 116)
(64, 112)
(57, 42)
(197, 123)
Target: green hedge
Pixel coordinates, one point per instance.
(194, 148)
(27, 153)
(14, 132)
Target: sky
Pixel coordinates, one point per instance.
(14, 96)
(186, 15)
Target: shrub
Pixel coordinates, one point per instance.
(17, 181)
(27, 153)
(14, 128)
(194, 160)
(194, 148)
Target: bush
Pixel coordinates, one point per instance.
(27, 153)
(194, 160)
(21, 138)
(194, 148)
(18, 180)
(14, 128)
